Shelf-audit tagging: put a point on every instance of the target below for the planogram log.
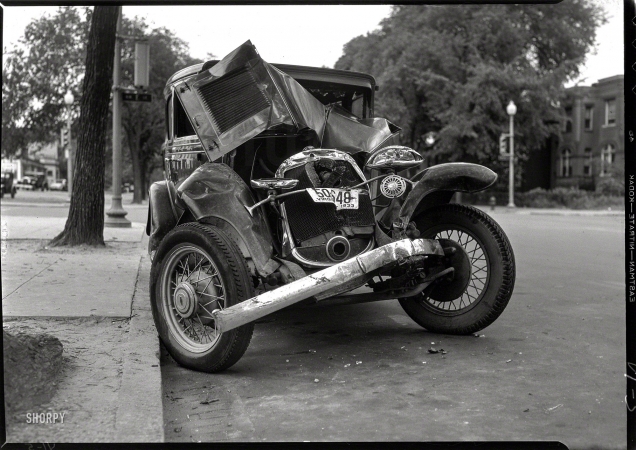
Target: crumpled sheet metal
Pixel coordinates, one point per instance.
(329, 279)
(276, 102)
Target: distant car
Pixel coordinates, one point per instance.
(127, 187)
(26, 184)
(6, 184)
(58, 185)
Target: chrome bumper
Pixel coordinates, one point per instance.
(324, 283)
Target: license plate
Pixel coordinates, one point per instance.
(342, 198)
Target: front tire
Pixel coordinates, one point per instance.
(492, 275)
(196, 270)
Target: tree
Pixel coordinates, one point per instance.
(85, 222)
(143, 123)
(48, 61)
(453, 69)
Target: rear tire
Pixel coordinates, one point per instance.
(196, 270)
(492, 271)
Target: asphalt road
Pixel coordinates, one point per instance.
(550, 368)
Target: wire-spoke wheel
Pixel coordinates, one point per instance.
(491, 279)
(193, 288)
(198, 269)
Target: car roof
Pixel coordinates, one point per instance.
(305, 73)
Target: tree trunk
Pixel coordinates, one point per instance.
(85, 222)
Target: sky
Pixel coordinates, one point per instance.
(311, 35)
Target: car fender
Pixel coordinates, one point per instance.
(437, 184)
(163, 212)
(215, 194)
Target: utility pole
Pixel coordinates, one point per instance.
(116, 214)
(69, 99)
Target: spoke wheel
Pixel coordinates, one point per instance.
(199, 269)
(193, 288)
(479, 274)
(492, 272)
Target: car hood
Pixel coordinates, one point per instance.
(243, 96)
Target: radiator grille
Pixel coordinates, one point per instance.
(232, 99)
(308, 219)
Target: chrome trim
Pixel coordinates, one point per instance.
(398, 161)
(303, 260)
(315, 154)
(329, 250)
(288, 241)
(185, 152)
(341, 277)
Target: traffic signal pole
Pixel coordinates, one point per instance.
(116, 214)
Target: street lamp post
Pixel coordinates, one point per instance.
(116, 214)
(511, 109)
(69, 99)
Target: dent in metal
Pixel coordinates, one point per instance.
(216, 191)
(315, 154)
(324, 283)
(282, 105)
(163, 213)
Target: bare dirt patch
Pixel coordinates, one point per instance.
(87, 384)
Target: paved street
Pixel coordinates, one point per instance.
(55, 204)
(551, 367)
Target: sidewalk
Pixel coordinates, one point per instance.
(96, 302)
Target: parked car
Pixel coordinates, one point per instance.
(34, 181)
(7, 185)
(282, 188)
(26, 183)
(58, 185)
(128, 187)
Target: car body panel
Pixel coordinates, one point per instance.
(449, 177)
(242, 96)
(215, 192)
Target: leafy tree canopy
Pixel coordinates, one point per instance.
(453, 69)
(49, 60)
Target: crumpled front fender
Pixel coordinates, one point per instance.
(215, 194)
(163, 213)
(449, 177)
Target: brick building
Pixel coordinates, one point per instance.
(592, 135)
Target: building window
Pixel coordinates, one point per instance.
(567, 124)
(610, 112)
(608, 155)
(566, 163)
(589, 117)
(587, 163)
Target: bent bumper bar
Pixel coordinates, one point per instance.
(324, 283)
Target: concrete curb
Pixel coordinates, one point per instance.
(140, 407)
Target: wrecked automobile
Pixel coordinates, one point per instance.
(282, 187)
